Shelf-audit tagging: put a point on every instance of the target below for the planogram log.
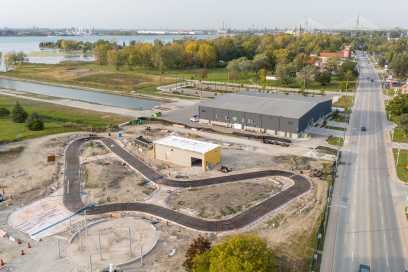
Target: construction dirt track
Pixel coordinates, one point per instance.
(72, 191)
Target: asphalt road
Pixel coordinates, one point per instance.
(363, 227)
(72, 189)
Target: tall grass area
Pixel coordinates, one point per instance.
(402, 170)
(399, 135)
(90, 75)
(57, 119)
(345, 101)
(142, 80)
(338, 141)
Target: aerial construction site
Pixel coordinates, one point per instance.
(135, 197)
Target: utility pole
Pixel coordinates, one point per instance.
(130, 243)
(398, 156)
(80, 240)
(141, 248)
(100, 246)
(90, 262)
(59, 248)
(86, 228)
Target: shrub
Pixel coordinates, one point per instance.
(18, 114)
(34, 122)
(4, 112)
(199, 246)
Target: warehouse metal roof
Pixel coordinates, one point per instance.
(291, 106)
(187, 144)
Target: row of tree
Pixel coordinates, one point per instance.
(266, 51)
(389, 51)
(68, 45)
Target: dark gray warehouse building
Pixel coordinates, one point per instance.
(275, 114)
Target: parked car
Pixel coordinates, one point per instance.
(2, 198)
(225, 169)
(194, 119)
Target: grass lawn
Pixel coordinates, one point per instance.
(58, 119)
(335, 140)
(139, 80)
(402, 169)
(400, 136)
(345, 101)
(92, 76)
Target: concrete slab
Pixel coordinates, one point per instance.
(39, 219)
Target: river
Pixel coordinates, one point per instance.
(30, 45)
(79, 94)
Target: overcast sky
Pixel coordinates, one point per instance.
(176, 14)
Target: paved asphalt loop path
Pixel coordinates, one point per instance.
(72, 190)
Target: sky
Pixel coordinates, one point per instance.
(203, 14)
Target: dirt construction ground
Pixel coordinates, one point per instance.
(26, 174)
(221, 201)
(108, 181)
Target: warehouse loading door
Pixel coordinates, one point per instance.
(196, 162)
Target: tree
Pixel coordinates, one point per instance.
(233, 70)
(348, 76)
(260, 61)
(199, 246)
(239, 66)
(115, 58)
(323, 78)
(101, 52)
(34, 122)
(240, 253)
(281, 56)
(348, 68)
(227, 48)
(18, 114)
(403, 123)
(331, 66)
(207, 55)
(398, 105)
(262, 75)
(286, 73)
(13, 58)
(306, 75)
(4, 112)
(112, 58)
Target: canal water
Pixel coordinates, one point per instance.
(78, 94)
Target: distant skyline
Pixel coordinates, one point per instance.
(209, 14)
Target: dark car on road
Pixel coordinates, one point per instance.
(363, 129)
(364, 268)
